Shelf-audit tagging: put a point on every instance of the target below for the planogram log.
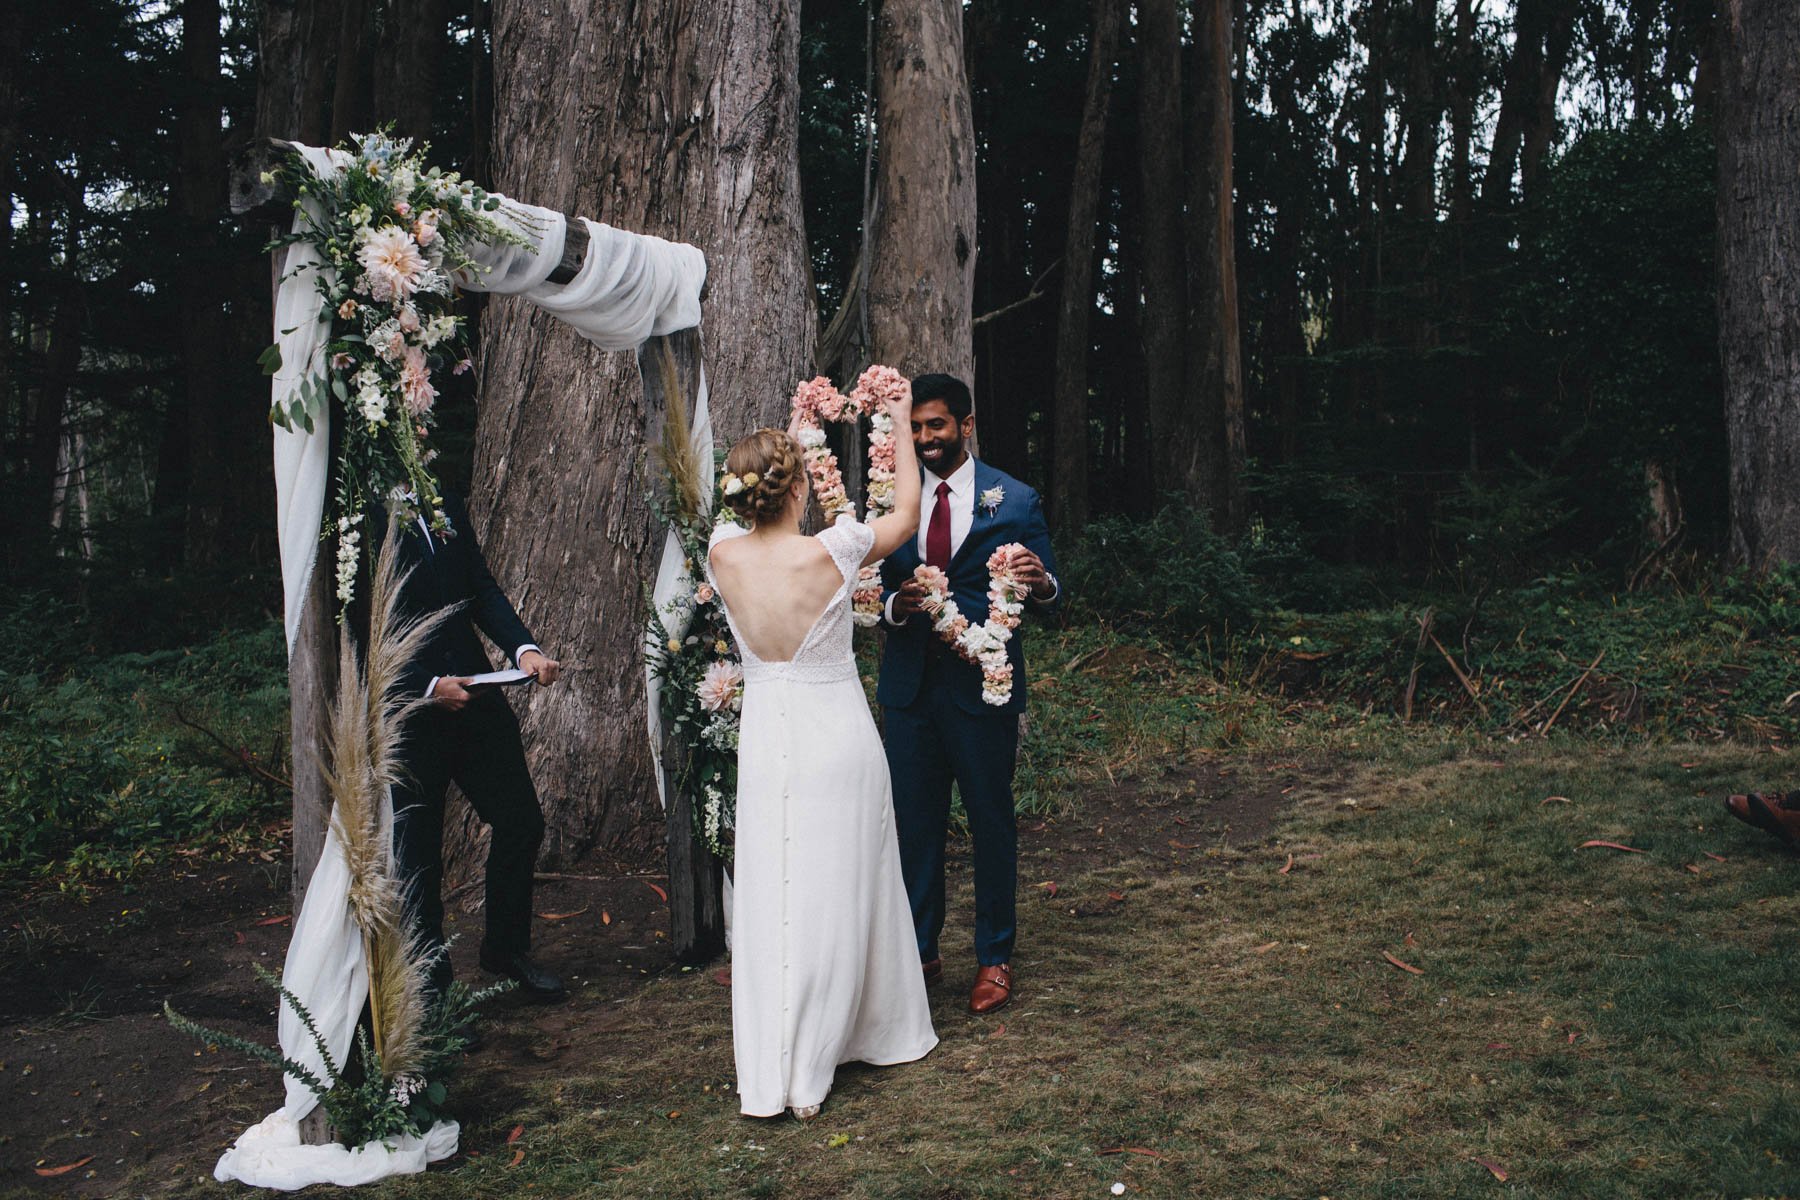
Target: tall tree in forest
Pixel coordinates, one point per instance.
(1759, 274)
(1176, 445)
(1068, 481)
(671, 118)
(922, 247)
(1213, 356)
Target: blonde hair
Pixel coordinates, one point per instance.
(763, 468)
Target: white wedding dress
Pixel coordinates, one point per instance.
(824, 963)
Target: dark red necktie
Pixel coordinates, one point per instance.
(937, 534)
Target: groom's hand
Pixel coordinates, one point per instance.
(909, 599)
(1030, 571)
(451, 692)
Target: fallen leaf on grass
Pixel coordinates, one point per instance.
(1290, 866)
(239, 934)
(605, 917)
(1049, 886)
(722, 977)
(1553, 800)
(1136, 1150)
(1115, 897)
(1404, 966)
(52, 1172)
(1499, 1045)
(999, 1032)
(674, 1114)
(660, 894)
(838, 1141)
(1183, 845)
(1714, 857)
(1496, 1169)
(1611, 846)
(517, 1132)
(518, 1157)
(562, 916)
(1690, 766)
(283, 919)
(1691, 867)
(1264, 949)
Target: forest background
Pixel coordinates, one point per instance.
(1365, 350)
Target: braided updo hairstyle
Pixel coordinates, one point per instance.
(773, 460)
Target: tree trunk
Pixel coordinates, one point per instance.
(1543, 32)
(1759, 274)
(922, 258)
(351, 96)
(1175, 443)
(671, 118)
(1068, 492)
(1212, 467)
(293, 69)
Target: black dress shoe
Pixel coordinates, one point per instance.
(533, 980)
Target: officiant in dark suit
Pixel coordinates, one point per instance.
(468, 735)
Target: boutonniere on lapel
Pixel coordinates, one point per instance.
(990, 500)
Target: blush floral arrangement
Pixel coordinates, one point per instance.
(391, 233)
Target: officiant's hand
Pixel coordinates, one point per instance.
(1030, 571)
(452, 692)
(533, 662)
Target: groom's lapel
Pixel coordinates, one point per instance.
(985, 478)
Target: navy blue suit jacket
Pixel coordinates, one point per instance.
(1018, 518)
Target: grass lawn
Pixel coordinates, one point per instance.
(1193, 1021)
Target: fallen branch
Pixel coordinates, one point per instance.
(1412, 678)
(239, 756)
(1545, 728)
(1461, 677)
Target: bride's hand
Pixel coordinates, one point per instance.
(900, 409)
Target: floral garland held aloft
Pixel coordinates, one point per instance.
(984, 645)
(394, 231)
(816, 401)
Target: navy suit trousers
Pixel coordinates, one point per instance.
(931, 744)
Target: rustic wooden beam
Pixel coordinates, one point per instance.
(252, 199)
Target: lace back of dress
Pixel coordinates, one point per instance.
(826, 653)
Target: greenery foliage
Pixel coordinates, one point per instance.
(365, 1104)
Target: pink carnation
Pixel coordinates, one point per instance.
(815, 396)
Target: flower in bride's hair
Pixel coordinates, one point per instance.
(722, 686)
(751, 479)
(730, 484)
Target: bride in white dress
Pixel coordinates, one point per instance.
(825, 964)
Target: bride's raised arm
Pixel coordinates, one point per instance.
(896, 528)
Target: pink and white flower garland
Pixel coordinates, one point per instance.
(984, 645)
(816, 401)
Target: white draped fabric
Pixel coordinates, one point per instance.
(630, 287)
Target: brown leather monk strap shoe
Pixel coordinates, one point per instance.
(993, 988)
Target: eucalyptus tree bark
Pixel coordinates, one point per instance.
(1210, 442)
(677, 118)
(922, 252)
(1068, 492)
(1759, 274)
(1175, 445)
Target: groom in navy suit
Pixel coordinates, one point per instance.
(938, 729)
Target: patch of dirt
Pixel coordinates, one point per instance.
(91, 1074)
